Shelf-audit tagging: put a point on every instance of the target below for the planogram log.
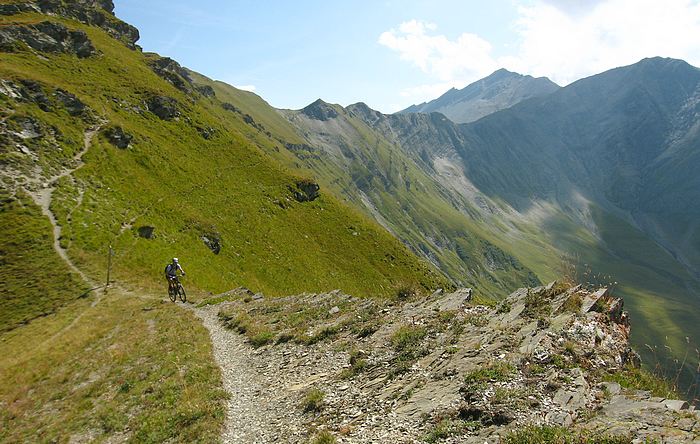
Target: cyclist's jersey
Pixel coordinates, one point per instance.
(171, 270)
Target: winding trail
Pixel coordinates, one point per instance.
(43, 197)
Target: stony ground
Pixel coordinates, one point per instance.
(441, 369)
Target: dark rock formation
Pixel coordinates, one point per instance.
(206, 90)
(18, 8)
(147, 232)
(320, 110)
(306, 191)
(50, 37)
(98, 13)
(171, 71)
(72, 104)
(118, 137)
(32, 91)
(163, 107)
(230, 107)
(212, 241)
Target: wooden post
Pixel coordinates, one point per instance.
(109, 264)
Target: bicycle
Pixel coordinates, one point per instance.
(176, 289)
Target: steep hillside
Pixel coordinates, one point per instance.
(559, 184)
(602, 167)
(171, 171)
(498, 91)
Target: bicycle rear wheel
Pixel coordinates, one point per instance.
(181, 292)
(172, 293)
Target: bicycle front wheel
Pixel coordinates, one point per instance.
(181, 292)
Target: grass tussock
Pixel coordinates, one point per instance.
(561, 435)
(313, 400)
(494, 372)
(640, 379)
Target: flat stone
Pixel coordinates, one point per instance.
(590, 300)
(676, 404)
(613, 388)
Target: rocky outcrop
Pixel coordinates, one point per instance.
(49, 37)
(306, 191)
(399, 371)
(70, 102)
(146, 232)
(98, 13)
(212, 241)
(178, 76)
(118, 137)
(164, 107)
(320, 110)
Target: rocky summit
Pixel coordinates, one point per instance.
(447, 368)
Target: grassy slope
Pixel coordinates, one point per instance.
(128, 368)
(187, 186)
(410, 201)
(33, 279)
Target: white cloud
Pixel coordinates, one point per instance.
(467, 56)
(250, 88)
(562, 39)
(613, 33)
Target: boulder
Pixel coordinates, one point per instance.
(306, 191)
(206, 132)
(172, 72)
(32, 91)
(230, 107)
(118, 137)
(164, 107)
(147, 232)
(212, 241)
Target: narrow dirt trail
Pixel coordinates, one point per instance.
(43, 197)
(255, 410)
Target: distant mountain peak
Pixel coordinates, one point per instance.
(497, 91)
(320, 110)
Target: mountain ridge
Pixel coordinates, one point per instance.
(500, 90)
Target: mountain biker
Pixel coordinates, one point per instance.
(171, 272)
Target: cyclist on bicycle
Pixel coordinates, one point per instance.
(171, 272)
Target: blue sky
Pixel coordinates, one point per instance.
(391, 54)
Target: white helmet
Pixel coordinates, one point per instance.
(175, 260)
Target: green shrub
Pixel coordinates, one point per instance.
(408, 337)
(406, 291)
(324, 437)
(313, 400)
(497, 371)
(262, 337)
(444, 429)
